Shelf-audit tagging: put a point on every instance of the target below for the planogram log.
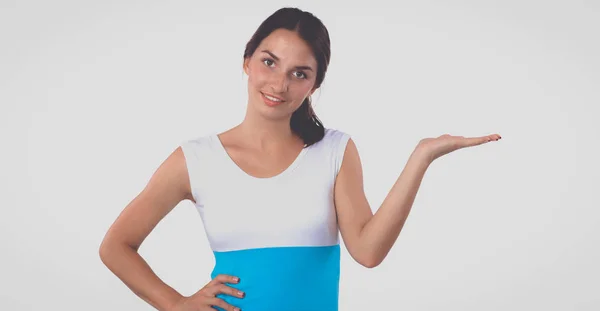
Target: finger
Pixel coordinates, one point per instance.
(473, 141)
(494, 137)
(224, 289)
(217, 302)
(224, 278)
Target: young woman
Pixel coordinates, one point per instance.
(273, 191)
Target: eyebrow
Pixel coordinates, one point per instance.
(277, 59)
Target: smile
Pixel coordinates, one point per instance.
(271, 98)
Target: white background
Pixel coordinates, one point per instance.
(95, 95)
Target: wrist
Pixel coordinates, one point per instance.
(421, 154)
(173, 305)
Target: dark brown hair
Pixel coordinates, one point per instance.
(304, 121)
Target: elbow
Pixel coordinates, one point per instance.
(104, 251)
(109, 249)
(365, 257)
(369, 262)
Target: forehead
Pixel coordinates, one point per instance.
(289, 47)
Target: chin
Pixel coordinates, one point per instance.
(272, 113)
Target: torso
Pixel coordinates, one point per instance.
(270, 219)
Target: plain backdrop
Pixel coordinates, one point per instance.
(95, 95)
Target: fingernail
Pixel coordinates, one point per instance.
(241, 294)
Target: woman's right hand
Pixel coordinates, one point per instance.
(205, 298)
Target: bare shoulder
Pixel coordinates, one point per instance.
(171, 179)
(168, 186)
(351, 160)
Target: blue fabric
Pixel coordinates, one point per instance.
(282, 278)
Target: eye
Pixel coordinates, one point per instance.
(303, 75)
(267, 60)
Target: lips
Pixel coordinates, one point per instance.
(279, 98)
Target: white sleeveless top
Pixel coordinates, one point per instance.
(278, 234)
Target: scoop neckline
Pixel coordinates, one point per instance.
(229, 159)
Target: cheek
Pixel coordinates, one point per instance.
(259, 75)
(304, 88)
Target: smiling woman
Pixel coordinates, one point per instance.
(283, 242)
(273, 192)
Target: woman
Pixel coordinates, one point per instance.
(273, 191)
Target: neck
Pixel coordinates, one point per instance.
(267, 134)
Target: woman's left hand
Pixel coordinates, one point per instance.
(434, 148)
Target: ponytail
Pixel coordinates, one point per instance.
(306, 124)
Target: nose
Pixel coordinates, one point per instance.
(279, 83)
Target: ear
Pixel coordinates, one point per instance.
(245, 65)
(312, 91)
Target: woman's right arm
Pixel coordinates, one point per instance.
(168, 186)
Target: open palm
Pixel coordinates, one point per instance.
(444, 144)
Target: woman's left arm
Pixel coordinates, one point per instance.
(369, 237)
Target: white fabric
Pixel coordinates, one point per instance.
(294, 208)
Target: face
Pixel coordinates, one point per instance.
(283, 66)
